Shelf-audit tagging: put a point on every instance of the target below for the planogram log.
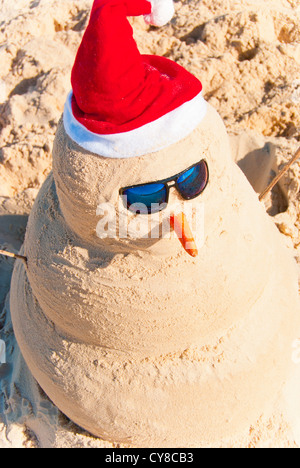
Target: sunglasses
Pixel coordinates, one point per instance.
(154, 196)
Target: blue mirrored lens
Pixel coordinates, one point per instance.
(192, 182)
(146, 199)
(185, 175)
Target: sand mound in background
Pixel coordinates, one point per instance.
(247, 55)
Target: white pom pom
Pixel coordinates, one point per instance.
(162, 12)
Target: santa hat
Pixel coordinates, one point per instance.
(125, 104)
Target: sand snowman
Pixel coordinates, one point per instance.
(137, 339)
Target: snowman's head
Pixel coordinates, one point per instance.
(138, 148)
(99, 206)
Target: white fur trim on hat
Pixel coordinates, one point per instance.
(152, 137)
(162, 12)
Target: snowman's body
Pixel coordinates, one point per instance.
(136, 341)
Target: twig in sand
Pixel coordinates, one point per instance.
(12, 255)
(279, 175)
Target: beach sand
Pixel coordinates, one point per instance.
(247, 55)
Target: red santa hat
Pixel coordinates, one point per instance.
(125, 104)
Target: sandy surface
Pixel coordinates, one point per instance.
(247, 55)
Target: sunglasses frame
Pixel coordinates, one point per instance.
(165, 182)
